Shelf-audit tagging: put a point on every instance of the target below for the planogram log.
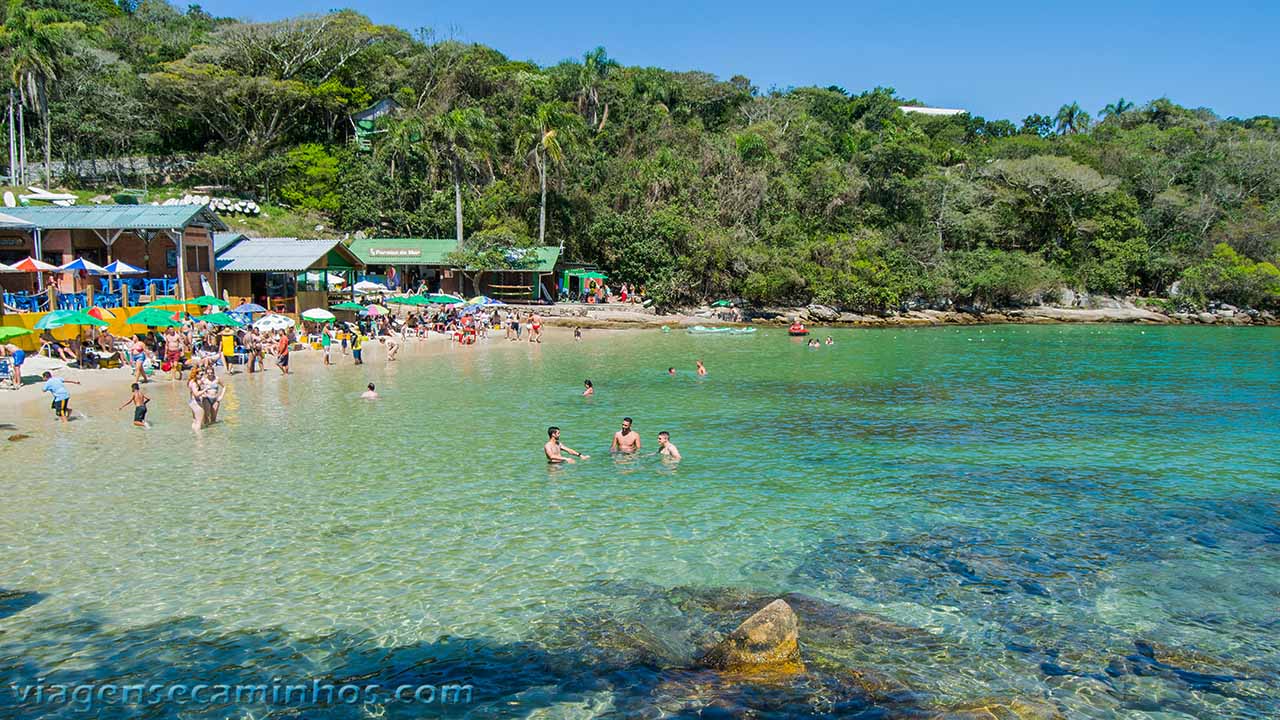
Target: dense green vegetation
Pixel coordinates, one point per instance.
(689, 185)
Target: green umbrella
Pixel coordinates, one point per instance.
(594, 275)
(348, 305)
(722, 303)
(155, 317)
(442, 300)
(165, 302)
(220, 318)
(67, 318)
(208, 301)
(8, 332)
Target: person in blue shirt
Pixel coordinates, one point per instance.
(61, 397)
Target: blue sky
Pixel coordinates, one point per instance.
(999, 60)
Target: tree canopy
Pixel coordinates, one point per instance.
(688, 184)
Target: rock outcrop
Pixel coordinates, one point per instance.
(768, 641)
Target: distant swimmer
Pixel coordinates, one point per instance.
(830, 341)
(671, 371)
(625, 440)
(369, 394)
(814, 344)
(590, 389)
(702, 369)
(555, 451)
(666, 449)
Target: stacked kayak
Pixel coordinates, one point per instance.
(704, 330)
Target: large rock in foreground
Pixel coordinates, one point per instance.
(766, 641)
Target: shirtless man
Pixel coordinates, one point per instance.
(666, 449)
(625, 440)
(173, 352)
(369, 394)
(555, 451)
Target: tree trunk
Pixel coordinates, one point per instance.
(542, 207)
(457, 202)
(22, 146)
(48, 136)
(13, 145)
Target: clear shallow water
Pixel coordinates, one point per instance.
(1084, 517)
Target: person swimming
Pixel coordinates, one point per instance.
(666, 448)
(590, 389)
(671, 371)
(626, 440)
(555, 451)
(814, 343)
(369, 394)
(702, 369)
(830, 341)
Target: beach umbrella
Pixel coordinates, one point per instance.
(101, 313)
(348, 305)
(165, 302)
(6, 268)
(68, 318)
(484, 300)
(221, 318)
(79, 265)
(366, 286)
(439, 299)
(248, 309)
(33, 265)
(274, 322)
(374, 311)
(117, 267)
(156, 317)
(318, 315)
(208, 301)
(8, 332)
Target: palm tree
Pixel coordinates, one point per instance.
(463, 138)
(34, 43)
(1071, 119)
(596, 65)
(545, 135)
(1117, 108)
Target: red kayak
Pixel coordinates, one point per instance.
(797, 330)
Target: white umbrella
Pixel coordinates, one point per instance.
(365, 286)
(318, 315)
(6, 268)
(271, 322)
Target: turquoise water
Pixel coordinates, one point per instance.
(1082, 519)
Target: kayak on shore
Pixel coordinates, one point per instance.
(704, 330)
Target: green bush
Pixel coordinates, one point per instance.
(996, 278)
(311, 180)
(1228, 276)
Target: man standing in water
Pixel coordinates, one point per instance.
(555, 451)
(666, 449)
(626, 440)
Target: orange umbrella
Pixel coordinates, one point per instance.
(102, 313)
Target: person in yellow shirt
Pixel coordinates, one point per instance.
(228, 340)
(357, 343)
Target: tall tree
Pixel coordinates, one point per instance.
(34, 42)
(596, 65)
(463, 138)
(1116, 109)
(1071, 119)
(544, 140)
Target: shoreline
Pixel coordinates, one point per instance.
(637, 317)
(97, 386)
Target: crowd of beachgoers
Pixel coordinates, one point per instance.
(200, 353)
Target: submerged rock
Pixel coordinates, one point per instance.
(768, 640)
(1000, 709)
(18, 436)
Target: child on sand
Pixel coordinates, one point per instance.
(139, 401)
(61, 396)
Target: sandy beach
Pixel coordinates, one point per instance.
(98, 389)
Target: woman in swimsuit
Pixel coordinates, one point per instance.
(197, 407)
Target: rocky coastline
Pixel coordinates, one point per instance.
(1086, 310)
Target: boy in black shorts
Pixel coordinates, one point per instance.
(139, 401)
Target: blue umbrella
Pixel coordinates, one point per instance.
(117, 267)
(249, 309)
(80, 264)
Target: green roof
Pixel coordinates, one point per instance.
(548, 255)
(224, 240)
(403, 251)
(117, 217)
